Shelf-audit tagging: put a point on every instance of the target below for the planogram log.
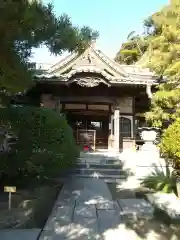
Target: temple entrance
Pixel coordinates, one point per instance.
(90, 129)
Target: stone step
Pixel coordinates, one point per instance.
(100, 157)
(99, 166)
(108, 171)
(100, 154)
(106, 180)
(119, 181)
(100, 176)
(110, 163)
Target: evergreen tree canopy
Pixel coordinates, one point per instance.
(29, 24)
(44, 141)
(164, 59)
(136, 45)
(160, 45)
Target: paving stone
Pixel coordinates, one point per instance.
(83, 232)
(86, 211)
(74, 231)
(90, 197)
(64, 212)
(51, 223)
(126, 193)
(59, 233)
(106, 205)
(83, 224)
(108, 219)
(123, 232)
(68, 201)
(90, 223)
(61, 216)
(19, 234)
(135, 208)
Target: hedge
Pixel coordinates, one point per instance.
(45, 144)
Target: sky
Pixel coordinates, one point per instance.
(114, 19)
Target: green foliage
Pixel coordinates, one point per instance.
(29, 24)
(45, 145)
(170, 144)
(162, 55)
(45, 142)
(160, 181)
(165, 60)
(136, 45)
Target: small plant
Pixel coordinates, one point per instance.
(159, 180)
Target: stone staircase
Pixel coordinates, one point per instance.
(103, 165)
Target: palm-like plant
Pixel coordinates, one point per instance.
(160, 180)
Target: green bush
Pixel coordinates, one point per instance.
(160, 181)
(45, 144)
(170, 144)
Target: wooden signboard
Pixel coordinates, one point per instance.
(11, 189)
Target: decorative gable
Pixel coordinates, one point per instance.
(103, 68)
(90, 59)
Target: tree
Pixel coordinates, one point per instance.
(132, 36)
(45, 142)
(28, 24)
(164, 59)
(25, 25)
(136, 45)
(162, 55)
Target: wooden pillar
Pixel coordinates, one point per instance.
(111, 132)
(111, 117)
(116, 129)
(58, 105)
(134, 117)
(148, 91)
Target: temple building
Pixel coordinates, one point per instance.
(102, 100)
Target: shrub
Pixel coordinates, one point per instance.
(45, 144)
(160, 181)
(170, 144)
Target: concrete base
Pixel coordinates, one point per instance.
(136, 209)
(167, 202)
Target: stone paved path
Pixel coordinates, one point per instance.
(19, 234)
(85, 210)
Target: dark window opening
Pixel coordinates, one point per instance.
(125, 127)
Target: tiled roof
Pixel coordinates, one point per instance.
(95, 61)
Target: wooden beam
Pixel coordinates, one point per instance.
(93, 99)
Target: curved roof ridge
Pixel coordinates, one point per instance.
(63, 61)
(115, 66)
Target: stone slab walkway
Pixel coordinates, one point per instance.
(19, 234)
(85, 210)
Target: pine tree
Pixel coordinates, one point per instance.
(43, 137)
(26, 25)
